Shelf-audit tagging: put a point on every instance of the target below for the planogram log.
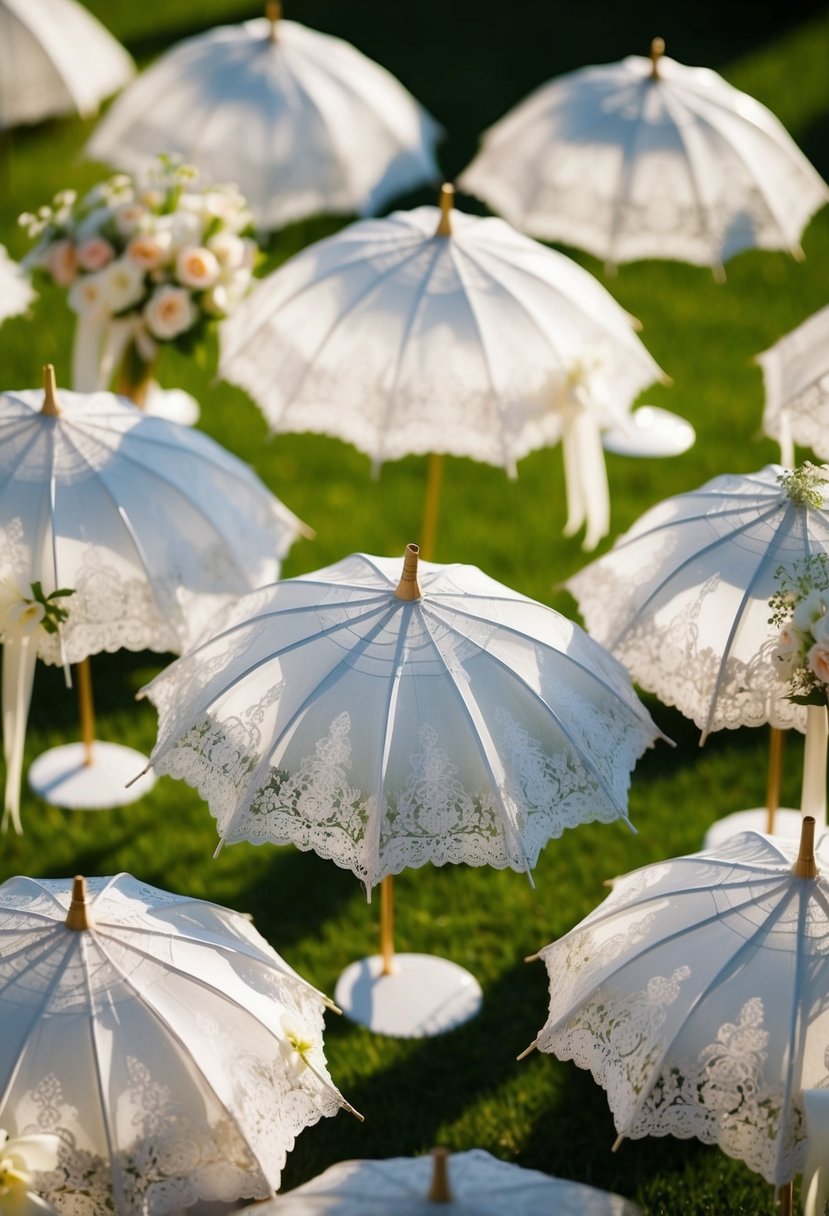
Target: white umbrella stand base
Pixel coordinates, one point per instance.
(61, 777)
(172, 404)
(426, 995)
(787, 823)
(651, 431)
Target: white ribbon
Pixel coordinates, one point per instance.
(87, 350)
(815, 1191)
(813, 792)
(19, 659)
(585, 472)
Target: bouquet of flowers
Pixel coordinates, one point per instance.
(144, 263)
(801, 611)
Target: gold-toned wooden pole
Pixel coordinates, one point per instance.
(78, 915)
(439, 1189)
(87, 710)
(50, 408)
(273, 12)
(657, 51)
(387, 925)
(786, 1197)
(428, 533)
(447, 198)
(776, 741)
(805, 865)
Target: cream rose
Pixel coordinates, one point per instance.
(122, 284)
(86, 295)
(809, 611)
(149, 250)
(169, 312)
(129, 217)
(786, 655)
(818, 661)
(228, 249)
(197, 267)
(95, 253)
(62, 262)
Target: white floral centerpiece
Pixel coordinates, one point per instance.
(144, 262)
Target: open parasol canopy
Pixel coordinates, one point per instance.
(796, 379)
(173, 1052)
(647, 158)
(16, 292)
(302, 122)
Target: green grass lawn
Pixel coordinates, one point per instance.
(467, 62)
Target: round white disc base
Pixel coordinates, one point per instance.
(61, 777)
(172, 404)
(425, 996)
(786, 823)
(651, 431)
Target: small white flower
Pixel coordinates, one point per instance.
(786, 655)
(123, 284)
(169, 312)
(86, 296)
(294, 1048)
(20, 1158)
(197, 267)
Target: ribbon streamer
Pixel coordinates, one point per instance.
(816, 1170)
(19, 659)
(585, 473)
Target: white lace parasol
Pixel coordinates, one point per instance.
(796, 378)
(16, 293)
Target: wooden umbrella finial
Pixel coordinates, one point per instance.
(657, 51)
(447, 199)
(273, 12)
(805, 866)
(409, 588)
(51, 408)
(78, 915)
(439, 1189)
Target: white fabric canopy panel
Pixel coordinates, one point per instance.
(16, 293)
(176, 1055)
(796, 379)
(647, 158)
(55, 58)
(469, 724)
(301, 121)
(696, 994)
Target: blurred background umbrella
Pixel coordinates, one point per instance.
(149, 527)
(302, 122)
(16, 293)
(55, 58)
(387, 721)
(682, 599)
(796, 380)
(432, 331)
(471, 1183)
(648, 158)
(170, 1048)
(697, 996)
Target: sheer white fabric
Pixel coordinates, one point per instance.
(796, 377)
(697, 996)
(470, 726)
(158, 1045)
(302, 122)
(682, 599)
(154, 527)
(400, 341)
(627, 166)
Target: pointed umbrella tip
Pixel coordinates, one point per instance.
(447, 200)
(439, 1189)
(409, 588)
(805, 865)
(50, 399)
(78, 915)
(657, 51)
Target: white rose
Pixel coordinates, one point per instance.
(227, 293)
(228, 249)
(182, 228)
(149, 250)
(130, 217)
(86, 295)
(786, 655)
(169, 312)
(809, 610)
(818, 660)
(197, 267)
(123, 284)
(95, 253)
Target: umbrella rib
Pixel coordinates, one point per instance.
(418, 298)
(44, 943)
(621, 189)
(672, 104)
(796, 1035)
(758, 571)
(476, 734)
(303, 90)
(330, 677)
(724, 538)
(36, 1015)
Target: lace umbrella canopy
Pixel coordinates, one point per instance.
(472, 1183)
(647, 158)
(173, 1052)
(16, 292)
(55, 58)
(796, 377)
(434, 331)
(696, 994)
(151, 526)
(302, 122)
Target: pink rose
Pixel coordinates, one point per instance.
(62, 262)
(197, 267)
(169, 312)
(95, 253)
(148, 250)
